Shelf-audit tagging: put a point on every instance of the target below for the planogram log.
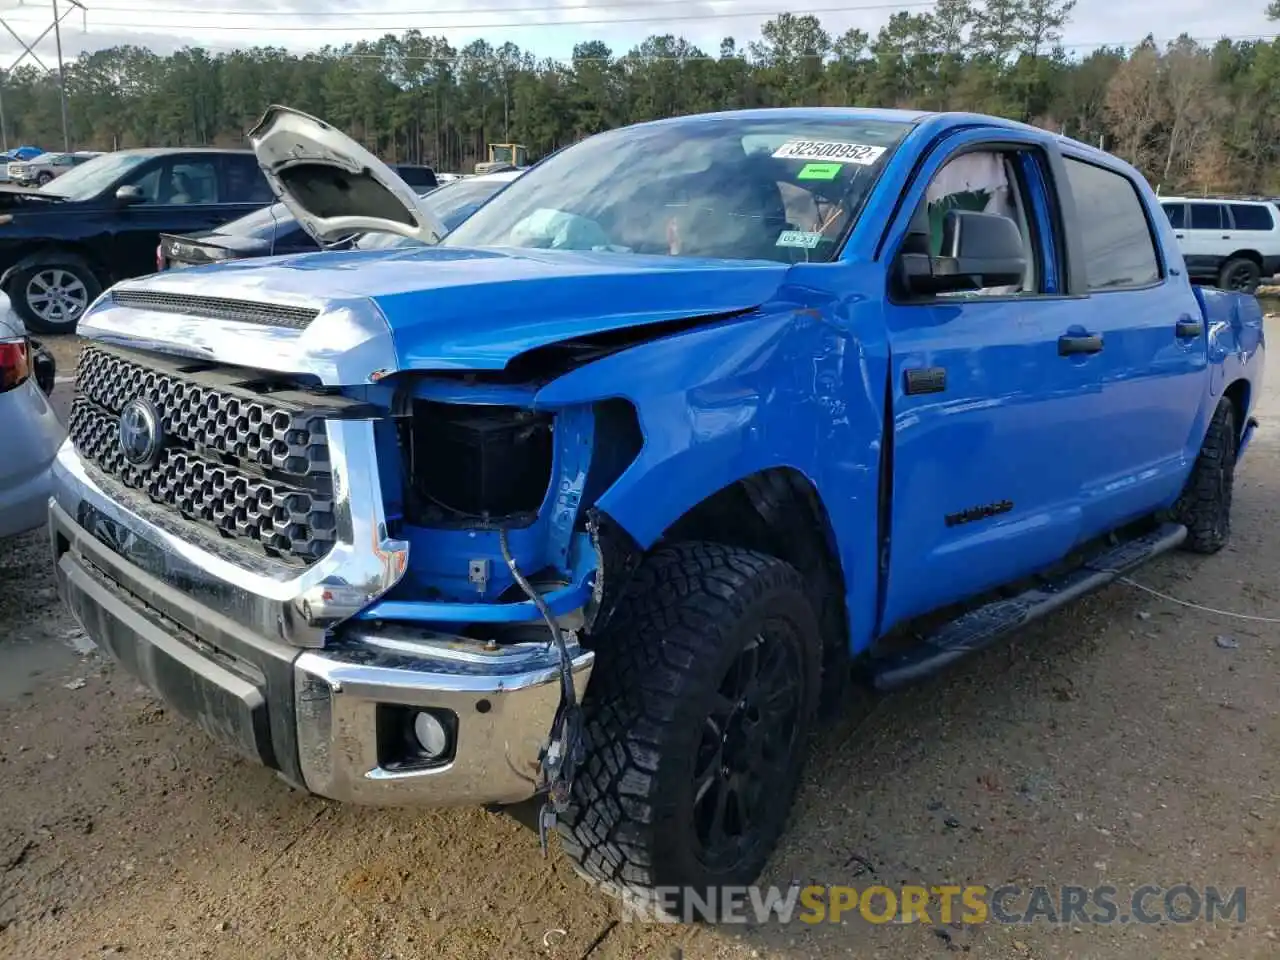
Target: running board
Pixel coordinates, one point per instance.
(982, 626)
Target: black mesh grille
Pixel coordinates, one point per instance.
(218, 308)
(253, 467)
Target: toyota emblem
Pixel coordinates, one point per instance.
(141, 440)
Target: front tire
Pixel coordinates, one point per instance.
(697, 719)
(1205, 505)
(52, 297)
(43, 179)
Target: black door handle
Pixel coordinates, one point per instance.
(1079, 343)
(1188, 328)
(1178, 235)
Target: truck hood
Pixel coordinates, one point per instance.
(433, 308)
(331, 184)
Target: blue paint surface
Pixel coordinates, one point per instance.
(802, 366)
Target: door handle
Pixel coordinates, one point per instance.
(1184, 329)
(1178, 236)
(1074, 344)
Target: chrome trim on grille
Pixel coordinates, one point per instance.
(264, 595)
(250, 463)
(220, 308)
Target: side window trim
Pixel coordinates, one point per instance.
(1035, 197)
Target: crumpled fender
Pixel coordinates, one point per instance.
(778, 388)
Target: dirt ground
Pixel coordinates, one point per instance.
(1127, 740)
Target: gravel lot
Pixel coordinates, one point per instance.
(1127, 740)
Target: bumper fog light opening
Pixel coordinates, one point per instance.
(431, 735)
(415, 738)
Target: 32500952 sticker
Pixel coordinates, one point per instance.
(833, 151)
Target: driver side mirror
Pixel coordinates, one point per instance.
(129, 194)
(978, 250)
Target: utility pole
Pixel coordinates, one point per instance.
(62, 74)
(29, 50)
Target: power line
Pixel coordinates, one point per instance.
(539, 8)
(523, 25)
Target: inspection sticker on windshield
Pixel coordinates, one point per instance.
(819, 171)
(798, 238)
(832, 151)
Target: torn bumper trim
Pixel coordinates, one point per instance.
(504, 701)
(325, 719)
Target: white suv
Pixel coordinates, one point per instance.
(1227, 241)
(40, 170)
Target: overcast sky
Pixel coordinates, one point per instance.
(546, 27)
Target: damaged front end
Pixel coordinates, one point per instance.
(493, 493)
(383, 591)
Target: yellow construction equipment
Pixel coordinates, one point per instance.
(503, 155)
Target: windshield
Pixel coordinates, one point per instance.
(451, 203)
(93, 176)
(777, 188)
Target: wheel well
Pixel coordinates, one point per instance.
(1238, 394)
(779, 512)
(1253, 255)
(51, 252)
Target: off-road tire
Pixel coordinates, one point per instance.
(689, 613)
(1240, 274)
(1205, 505)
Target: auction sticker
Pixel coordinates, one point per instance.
(832, 151)
(799, 238)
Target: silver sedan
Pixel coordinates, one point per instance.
(30, 433)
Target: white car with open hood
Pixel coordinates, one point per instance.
(334, 186)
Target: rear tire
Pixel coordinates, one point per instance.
(1205, 505)
(697, 718)
(1241, 275)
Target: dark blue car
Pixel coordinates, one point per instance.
(273, 230)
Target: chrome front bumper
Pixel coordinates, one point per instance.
(225, 653)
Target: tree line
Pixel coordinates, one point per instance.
(1192, 116)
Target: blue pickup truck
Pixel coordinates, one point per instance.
(688, 435)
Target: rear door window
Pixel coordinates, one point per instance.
(1119, 249)
(1251, 216)
(1206, 216)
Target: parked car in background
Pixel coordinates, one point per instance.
(16, 154)
(40, 170)
(30, 429)
(273, 230)
(1229, 242)
(417, 176)
(62, 244)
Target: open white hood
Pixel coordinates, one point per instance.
(334, 186)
